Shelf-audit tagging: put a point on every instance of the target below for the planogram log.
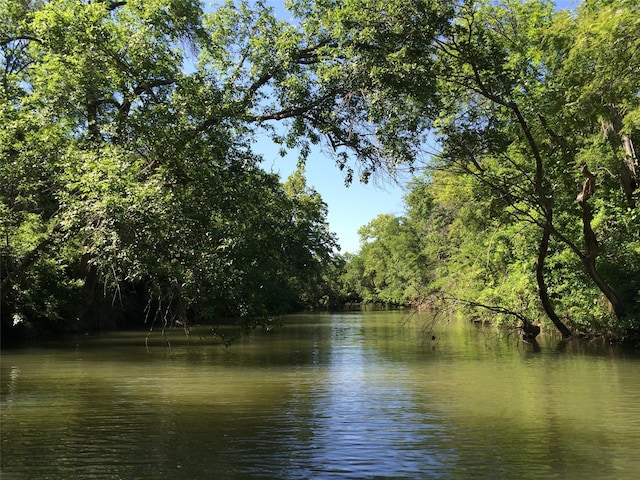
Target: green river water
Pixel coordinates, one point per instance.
(359, 395)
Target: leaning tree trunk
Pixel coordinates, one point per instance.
(15, 275)
(547, 227)
(87, 305)
(543, 292)
(589, 261)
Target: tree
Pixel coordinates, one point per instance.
(132, 125)
(508, 119)
(124, 172)
(311, 256)
(392, 261)
(502, 88)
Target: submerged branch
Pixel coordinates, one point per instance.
(494, 309)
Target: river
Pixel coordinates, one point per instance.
(357, 395)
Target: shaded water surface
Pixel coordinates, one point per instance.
(357, 395)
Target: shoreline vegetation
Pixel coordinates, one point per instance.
(132, 191)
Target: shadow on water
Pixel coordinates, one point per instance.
(350, 395)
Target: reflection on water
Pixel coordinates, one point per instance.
(355, 395)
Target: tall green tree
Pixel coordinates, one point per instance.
(127, 162)
(503, 89)
(128, 149)
(508, 124)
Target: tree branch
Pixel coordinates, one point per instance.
(6, 41)
(491, 308)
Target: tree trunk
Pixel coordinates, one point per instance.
(87, 308)
(589, 260)
(547, 228)
(627, 164)
(543, 293)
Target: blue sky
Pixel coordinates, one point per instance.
(349, 207)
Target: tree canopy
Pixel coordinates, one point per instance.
(529, 208)
(129, 184)
(130, 179)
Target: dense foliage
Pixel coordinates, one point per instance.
(128, 183)
(130, 186)
(529, 210)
